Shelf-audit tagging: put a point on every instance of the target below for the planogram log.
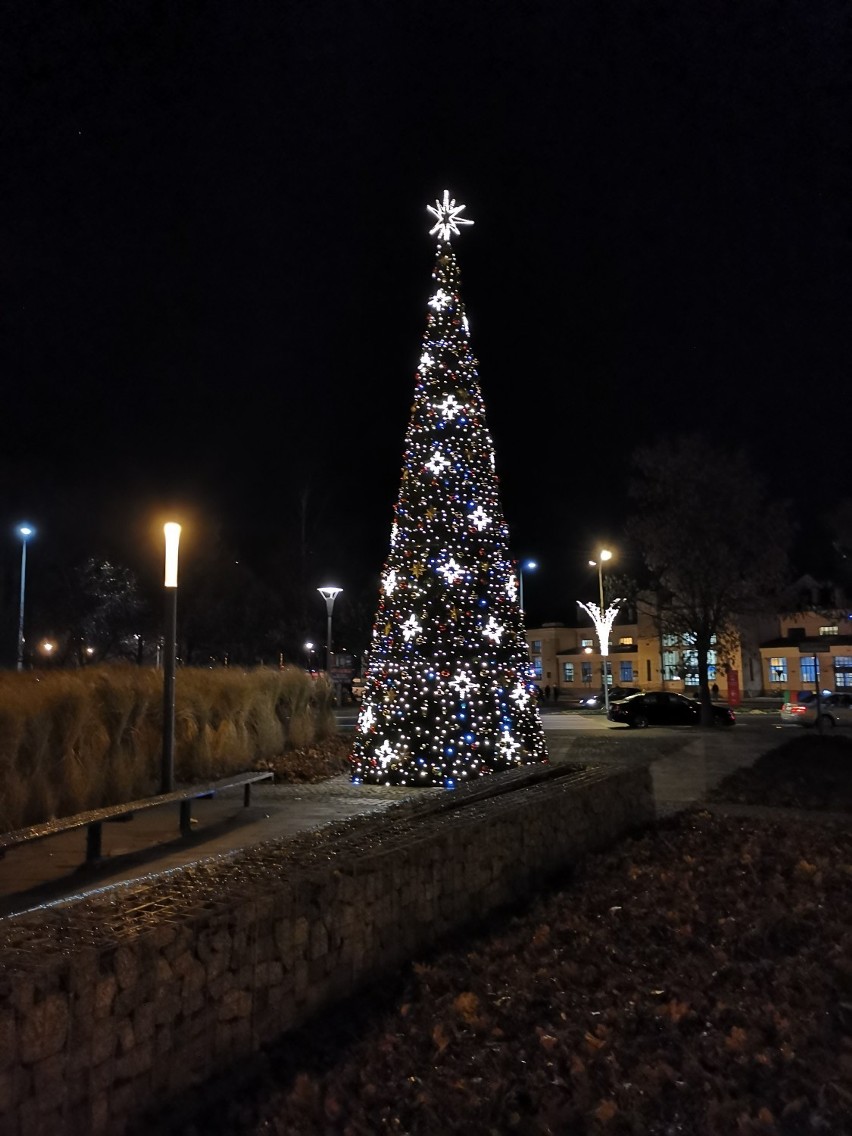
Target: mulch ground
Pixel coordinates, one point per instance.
(696, 980)
(810, 771)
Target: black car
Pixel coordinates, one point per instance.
(660, 708)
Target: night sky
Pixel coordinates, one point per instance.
(215, 261)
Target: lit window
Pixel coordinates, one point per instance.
(537, 667)
(586, 643)
(625, 672)
(536, 646)
(670, 666)
(808, 669)
(835, 630)
(670, 640)
(587, 672)
(626, 641)
(777, 670)
(843, 671)
(567, 672)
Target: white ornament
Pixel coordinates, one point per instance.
(463, 683)
(465, 325)
(451, 571)
(448, 217)
(437, 463)
(440, 300)
(390, 582)
(520, 695)
(507, 746)
(492, 630)
(426, 361)
(394, 533)
(450, 407)
(410, 628)
(512, 588)
(480, 518)
(385, 753)
(367, 717)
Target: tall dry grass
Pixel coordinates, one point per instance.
(72, 740)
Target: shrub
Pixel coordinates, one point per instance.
(72, 740)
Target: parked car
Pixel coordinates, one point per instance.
(834, 710)
(660, 708)
(596, 701)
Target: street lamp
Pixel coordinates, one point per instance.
(603, 631)
(529, 565)
(329, 595)
(170, 585)
(25, 532)
(309, 650)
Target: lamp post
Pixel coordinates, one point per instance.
(170, 585)
(309, 650)
(25, 532)
(329, 595)
(603, 555)
(529, 565)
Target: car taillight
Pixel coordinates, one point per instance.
(795, 708)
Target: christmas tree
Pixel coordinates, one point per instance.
(449, 692)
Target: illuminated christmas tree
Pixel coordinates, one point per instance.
(449, 692)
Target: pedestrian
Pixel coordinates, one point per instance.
(547, 693)
(714, 690)
(555, 695)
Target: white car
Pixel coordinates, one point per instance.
(834, 710)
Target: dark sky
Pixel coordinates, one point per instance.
(214, 257)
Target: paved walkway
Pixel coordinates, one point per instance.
(52, 870)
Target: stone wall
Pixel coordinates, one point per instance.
(109, 1007)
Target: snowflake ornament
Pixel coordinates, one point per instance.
(440, 300)
(411, 628)
(451, 571)
(390, 582)
(450, 407)
(447, 213)
(493, 631)
(520, 695)
(437, 463)
(480, 518)
(463, 684)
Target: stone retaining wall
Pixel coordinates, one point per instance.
(111, 1006)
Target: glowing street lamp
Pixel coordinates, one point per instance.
(170, 586)
(603, 620)
(529, 565)
(25, 532)
(329, 594)
(309, 650)
(47, 647)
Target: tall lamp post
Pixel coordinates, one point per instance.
(329, 595)
(603, 556)
(172, 535)
(529, 565)
(25, 532)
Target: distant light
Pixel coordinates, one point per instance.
(530, 564)
(91, 650)
(606, 554)
(47, 646)
(25, 531)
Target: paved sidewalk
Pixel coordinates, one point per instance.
(53, 870)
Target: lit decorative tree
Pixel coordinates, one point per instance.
(449, 692)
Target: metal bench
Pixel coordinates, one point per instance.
(93, 819)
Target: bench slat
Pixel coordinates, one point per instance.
(109, 812)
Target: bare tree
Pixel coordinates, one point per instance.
(714, 543)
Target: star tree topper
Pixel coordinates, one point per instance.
(448, 217)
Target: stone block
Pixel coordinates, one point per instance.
(105, 992)
(235, 1004)
(49, 1082)
(126, 967)
(44, 1029)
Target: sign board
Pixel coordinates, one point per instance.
(734, 697)
(817, 647)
